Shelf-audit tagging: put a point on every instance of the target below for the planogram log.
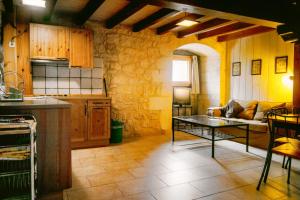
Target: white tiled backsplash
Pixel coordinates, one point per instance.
(53, 79)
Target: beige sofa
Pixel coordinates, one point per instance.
(259, 136)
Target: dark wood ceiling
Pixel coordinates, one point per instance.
(226, 19)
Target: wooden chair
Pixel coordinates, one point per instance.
(287, 146)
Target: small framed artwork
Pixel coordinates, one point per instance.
(256, 67)
(236, 69)
(281, 63)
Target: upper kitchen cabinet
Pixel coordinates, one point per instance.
(81, 48)
(49, 42)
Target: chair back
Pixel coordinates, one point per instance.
(281, 119)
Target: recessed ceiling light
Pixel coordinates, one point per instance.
(37, 3)
(187, 23)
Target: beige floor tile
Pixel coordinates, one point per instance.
(140, 172)
(95, 193)
(87, 170)
(249, 193)
(151, 167)
(220, 196)
(65, 195)
(177, 177)
(217, 184)
(178, 192)
(139, 196)
(79, 182)
(140, 185)
(109, 177)
(83, 153)
(121, 165)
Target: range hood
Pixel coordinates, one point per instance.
(50, 61)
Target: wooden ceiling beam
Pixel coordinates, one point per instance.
(50, 5)
(224, 29)
(248, 11)
(9, 12)
(152, 19)
(126, 12)
(171, 25)
(244, 33)
(88, 11)
(201, 27)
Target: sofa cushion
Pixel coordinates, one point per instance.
(249, 110)
(254, 125)
(233, 108)
(264, 107)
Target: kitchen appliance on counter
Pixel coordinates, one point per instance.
(18, 165)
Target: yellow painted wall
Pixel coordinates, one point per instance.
(267, 86)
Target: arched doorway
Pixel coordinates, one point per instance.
(209, 75)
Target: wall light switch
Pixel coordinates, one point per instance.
(12, 44)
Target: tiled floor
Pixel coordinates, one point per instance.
(152, 168)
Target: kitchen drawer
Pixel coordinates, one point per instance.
(101, 103)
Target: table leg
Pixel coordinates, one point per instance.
(213, 143)
(178, 115)
(173, 131)
(247, 138)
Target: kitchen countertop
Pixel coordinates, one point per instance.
(35, 103)
(82, 97)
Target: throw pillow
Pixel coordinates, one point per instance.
(248, 112)
(265, 107)
(233, 108)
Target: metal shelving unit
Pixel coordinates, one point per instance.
(18, 165)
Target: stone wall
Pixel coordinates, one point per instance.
(137, 68)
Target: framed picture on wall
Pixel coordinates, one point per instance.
(236, 69)
(256, 67)
(281, 63)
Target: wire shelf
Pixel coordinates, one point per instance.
(15, 183)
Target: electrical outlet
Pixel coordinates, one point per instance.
(12, 44)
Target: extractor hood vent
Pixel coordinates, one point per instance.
(50, 61)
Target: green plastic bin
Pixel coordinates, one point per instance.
(116, 131)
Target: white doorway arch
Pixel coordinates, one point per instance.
(209, 73)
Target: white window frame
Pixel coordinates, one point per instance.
(182, 83)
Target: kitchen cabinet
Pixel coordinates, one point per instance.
(90, 122)
(49, 42)
(81, 48)
(78, 120)
(98, 116)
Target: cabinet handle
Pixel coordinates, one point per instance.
(85, 109)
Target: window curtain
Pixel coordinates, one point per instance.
(195, 76)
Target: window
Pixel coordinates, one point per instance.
(181, 71)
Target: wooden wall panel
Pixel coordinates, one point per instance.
(9, 53)
(267, 86)
(23, 60)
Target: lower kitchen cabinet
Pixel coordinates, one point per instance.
(78, 121)
(90, 122)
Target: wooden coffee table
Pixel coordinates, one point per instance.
(197, 124)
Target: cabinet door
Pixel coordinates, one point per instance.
(49, 42)
(99, 124)
(63, 36)
(81, 48)
(78, 120)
